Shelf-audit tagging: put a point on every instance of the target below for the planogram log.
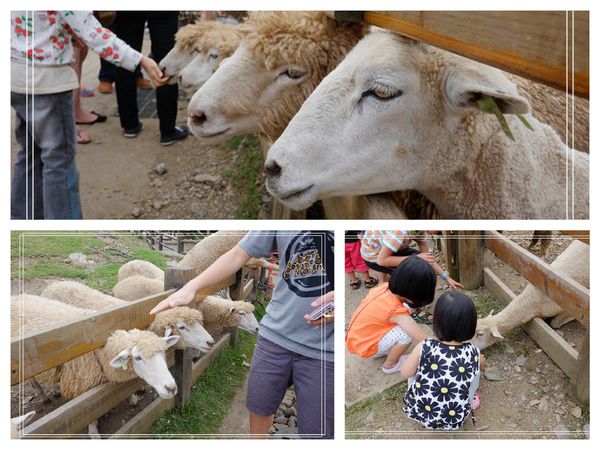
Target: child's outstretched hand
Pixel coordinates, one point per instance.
(454, 284)
(326, 318)
(182, 297)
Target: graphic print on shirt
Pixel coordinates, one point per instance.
(309, 257)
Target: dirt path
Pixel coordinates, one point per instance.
(532, 398)
(118, 178)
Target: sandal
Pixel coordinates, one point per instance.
(419, 317)
(82, 137)
(355, 285)
(99, 119)
(396, 368)
(476, 402)
(371, 282)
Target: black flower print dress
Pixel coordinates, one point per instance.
(439, 396)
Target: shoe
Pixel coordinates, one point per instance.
(105, 87)
(133, 131)
(396, 368)
(142, 83)
(179, 133)
(476, 402)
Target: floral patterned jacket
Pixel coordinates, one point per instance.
(45, 37)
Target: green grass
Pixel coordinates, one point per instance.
(247, 167)
(379, 405)
(485, 304)
(44, 256)
(212, 394)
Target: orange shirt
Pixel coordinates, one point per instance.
(371, 320)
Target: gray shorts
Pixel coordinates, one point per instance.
(274, 369)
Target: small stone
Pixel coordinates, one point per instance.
(136, 212)
(160, 169)
(134, 400)
(576, 412)
(562, 432)
(77, 259)
(543, 405)
(206, 178)
(157, 205)
(369, 419)
(521, 360)
(493, 374)
(291, 411)
(291, 422)
(533, 403)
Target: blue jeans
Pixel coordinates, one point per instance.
(45, 180)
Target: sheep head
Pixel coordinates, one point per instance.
(486, 333)
(274, 69)
(388, 106)
(184, 322)
(139, 353)
(242, 316)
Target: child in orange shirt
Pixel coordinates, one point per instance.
(382, 325)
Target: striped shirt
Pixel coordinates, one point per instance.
(374, 240)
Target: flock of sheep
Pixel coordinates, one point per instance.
(345, 111)
(128, 354)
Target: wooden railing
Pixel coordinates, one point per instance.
(44, 349)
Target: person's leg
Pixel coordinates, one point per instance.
(394, 354)
(129, 26)
(361, 267)
(314, 384)
(393, 345)
(269, 378)
(26, 185)
(382, 271)
(81, 115)
(163, 27)
(349, 267)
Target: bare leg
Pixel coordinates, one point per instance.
(260, 425)
(81, 115)
(351, 276)
(394, 355)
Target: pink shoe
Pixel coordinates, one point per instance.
(396, 368)
(476, 402)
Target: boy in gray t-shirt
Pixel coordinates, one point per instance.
(291, 349)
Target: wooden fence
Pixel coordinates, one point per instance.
(44, 349)
(566, 292)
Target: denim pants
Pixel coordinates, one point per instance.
(45, 180)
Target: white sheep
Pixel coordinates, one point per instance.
(140, 267)
(182, 321)
(143, 349)
(573, 262)
(400, 115)
(136, 287)
(222, 313)
(209, 249)
(199, 49)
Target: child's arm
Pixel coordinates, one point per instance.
(427, 256)
(411, 327)
(385, 257)
(226, 265)
(409, 366)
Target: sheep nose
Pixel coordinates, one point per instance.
(198, 118)
(171, 389)
(272, 169)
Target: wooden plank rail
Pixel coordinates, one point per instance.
(562, 289)
(42, 349)
(534, 44)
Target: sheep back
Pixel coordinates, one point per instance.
(136, 287)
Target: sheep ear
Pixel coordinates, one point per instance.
(168, 331)
(120, 360)
(497, 334)
(23, 420)
(171, 340)
(465, 85)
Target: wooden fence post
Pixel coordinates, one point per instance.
(236, 289)
(470, 259)
(582, 380)
(175, 278)
(450, 252)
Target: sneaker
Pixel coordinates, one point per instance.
(142, 83)
(179, 133)
(105, 87)
(133, 131)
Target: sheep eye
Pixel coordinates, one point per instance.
(382, 93)
(138, 358)
(182, 328)
(213, 56)
(294, 74)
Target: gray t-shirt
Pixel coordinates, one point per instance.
(305, 273)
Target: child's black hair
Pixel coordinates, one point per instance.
(415, 280)
(454, 317)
